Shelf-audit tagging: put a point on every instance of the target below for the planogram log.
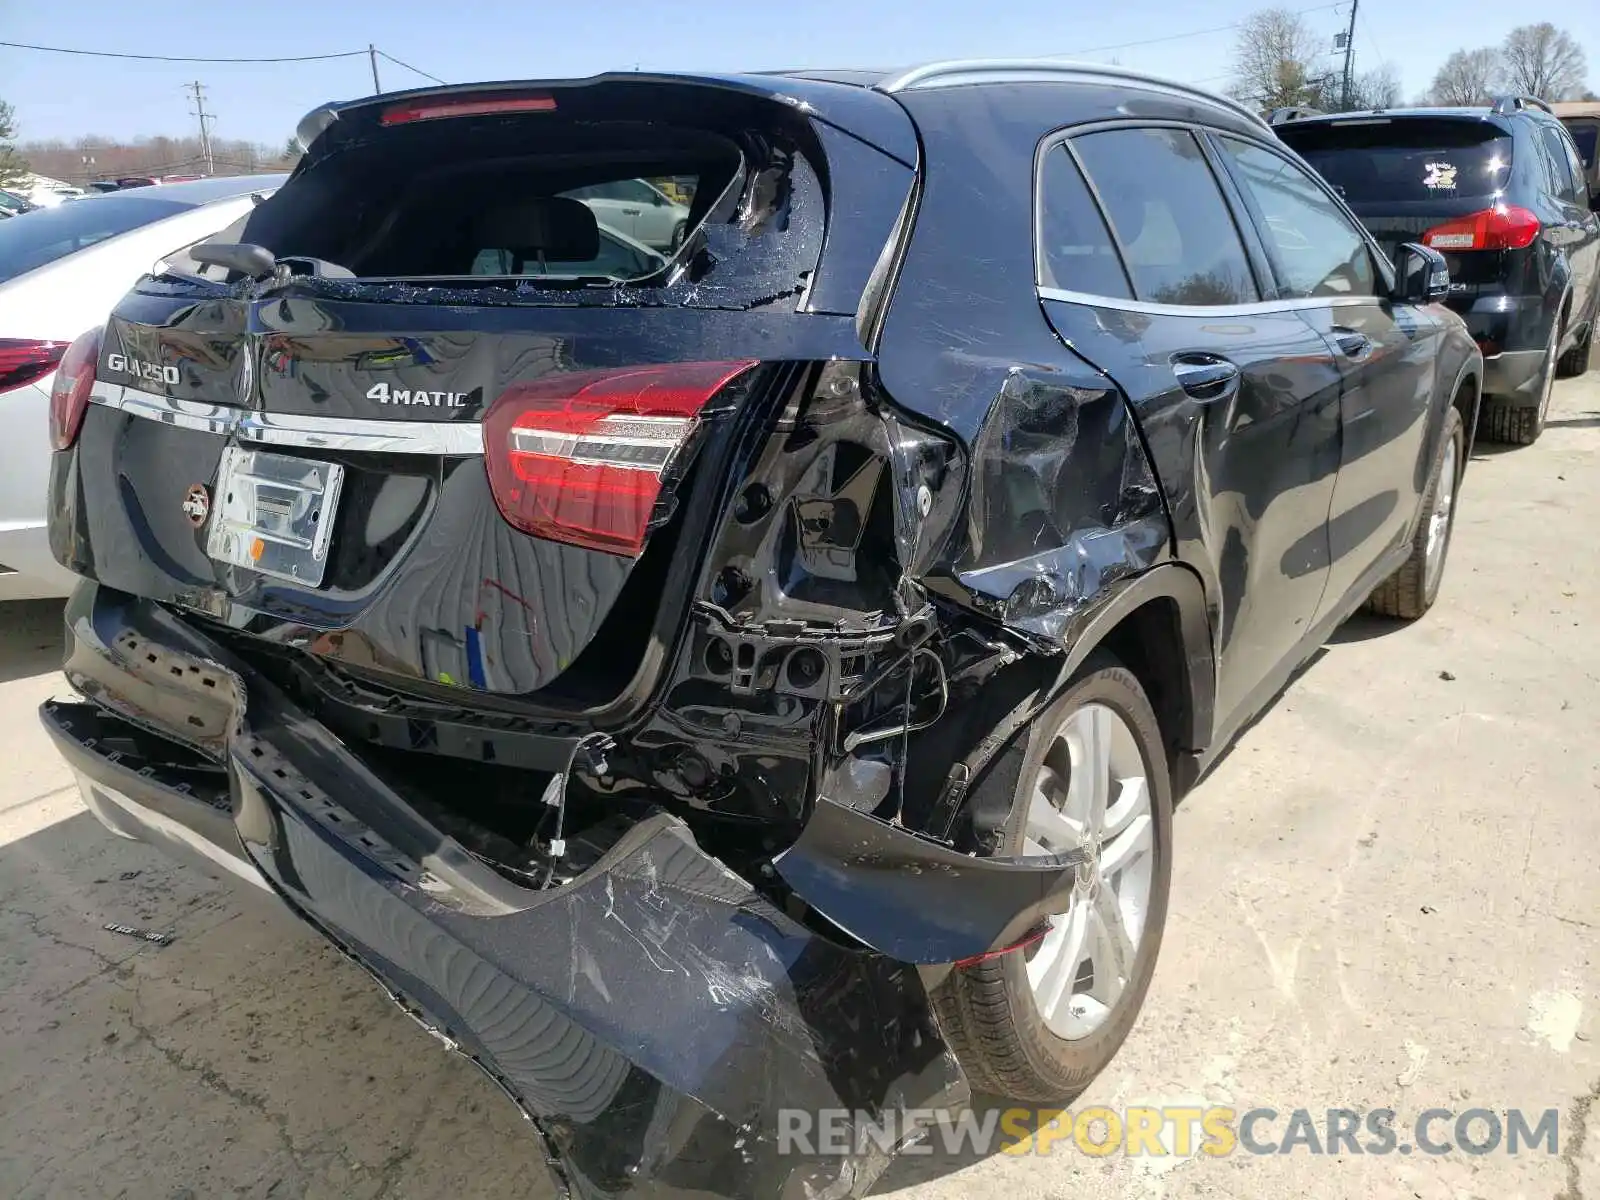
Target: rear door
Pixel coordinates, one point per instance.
(1237, 395)
(1385, 351)
(1577, 231)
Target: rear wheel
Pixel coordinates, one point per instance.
(1576, 361)
(1411, 590)
(1038, 1025)
(1503, 422)
(678, 232)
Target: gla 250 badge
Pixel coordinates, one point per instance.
(150, 372)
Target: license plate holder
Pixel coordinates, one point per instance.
(273, 513)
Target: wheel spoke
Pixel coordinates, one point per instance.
(1132, 801)
(1132, 844)
(1055, 965)
(1047, 824)
(1111, 949)
(1088, 788)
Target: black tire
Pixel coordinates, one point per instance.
(987, 1011)
(1577, 360)
(1502, 421)
(1409, 593)
(678, 232)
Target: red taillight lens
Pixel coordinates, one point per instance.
(22, 360)
(70, 395)
(579, 457)
(1503, 227)
(463, 106)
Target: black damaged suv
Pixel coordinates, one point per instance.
(1501, 193)
(756, 679)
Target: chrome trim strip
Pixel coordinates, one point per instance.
(281, 429)
(1255, 308)
(348, 433)
(956, 72)
(184, 414)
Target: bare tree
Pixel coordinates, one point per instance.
(1541, 60)
(1466, 78)
(13, 167)
(1378, 88)
(1272, 60)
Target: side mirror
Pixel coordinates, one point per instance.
(1421, 276)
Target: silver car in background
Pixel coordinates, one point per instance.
(62, 270)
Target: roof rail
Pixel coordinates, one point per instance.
(1293, 112)
(1505, 105)
(953, 72)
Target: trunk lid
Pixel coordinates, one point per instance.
(302, 454)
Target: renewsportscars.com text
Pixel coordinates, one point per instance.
(1156, 1131)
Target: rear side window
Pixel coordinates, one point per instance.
(1585, 138)
(1565, 182)
(1316, 250)
(36, 239)
(1177, 236)
(1075, 248)
(1377, 160)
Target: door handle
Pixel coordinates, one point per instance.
(632, 212)
(1205, 376)
(1351, 343)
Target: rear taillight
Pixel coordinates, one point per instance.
(22, 360)
(1503, 227)
(463, 106)
(70, 395)
(580, 458)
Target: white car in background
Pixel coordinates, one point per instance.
(62, 270)
(638, 210)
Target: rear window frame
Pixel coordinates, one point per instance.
(1256, 258)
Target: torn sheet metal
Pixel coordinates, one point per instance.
(915, 900)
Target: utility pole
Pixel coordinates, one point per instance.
(1349, 51)
(372, 53)
(205, 123)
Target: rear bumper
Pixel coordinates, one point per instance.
(1512, 332)
(652, 1017)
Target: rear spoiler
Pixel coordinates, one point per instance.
(862, 112)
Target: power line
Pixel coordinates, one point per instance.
(182, 58)
(1175, 37)
(409, 67)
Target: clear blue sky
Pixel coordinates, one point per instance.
(66, 97)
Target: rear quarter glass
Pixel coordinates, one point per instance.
(1407, 160)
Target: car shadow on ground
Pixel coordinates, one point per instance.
(1589, 420)
(932, 1159)
(31, 638)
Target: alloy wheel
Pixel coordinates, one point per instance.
(1091, 793)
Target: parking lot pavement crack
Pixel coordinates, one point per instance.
(1582, 1108)
(212, 1080)
(36, 926)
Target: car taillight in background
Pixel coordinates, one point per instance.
(70, 395)
(1503, 227)
(22, 360)
(579, 457)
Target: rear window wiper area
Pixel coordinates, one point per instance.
(250, 261)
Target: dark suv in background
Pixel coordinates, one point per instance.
(1500, 191)
(759, 679)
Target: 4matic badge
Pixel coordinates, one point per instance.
(197, 504)
(384, 394)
